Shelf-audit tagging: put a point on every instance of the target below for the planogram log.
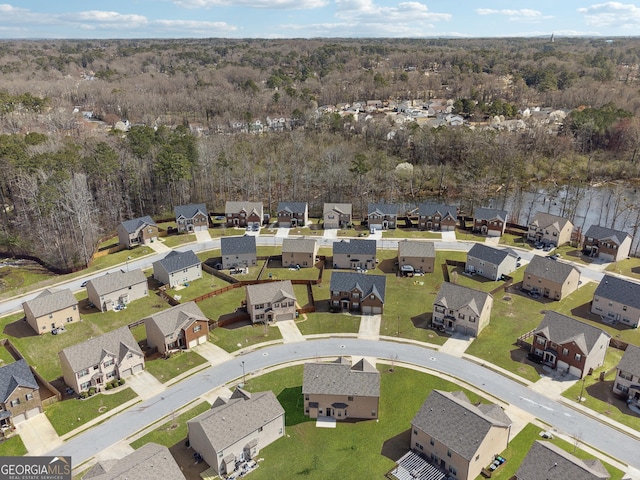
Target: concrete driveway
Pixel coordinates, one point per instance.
(449, 236)
(330, 233)
(214, 354)
(283, 232)
(202, 237)
(159, 247)
(145, 385)
(289, 331)
(38, 435)
(370, 327)
(457, 344)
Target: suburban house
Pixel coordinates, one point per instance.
(271, 301)
(292, 214)
(238, 251)
(337, 215)
(545, 461)
(179, 328)
(570, 345)
(627, 382)
(458, 437)
(99, 360)
(416, 256)
(550, 278)
(351, 291)
(243, 214)
(19, 394)
(549, 229)
(382, 216)
(434, 216)
(299, 251)
(606, 243)
(461, 309)
(149, 461)
(354, 254)
(490, 262)
(341, 390)
(138, 231)
(192, 218)
(236, 429)
(489, 221)
(177, 268)
(51, 309)
(617, 300)
(117, 288)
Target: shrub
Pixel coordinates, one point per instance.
(84, 394)
(92, 391)
(109, 386)
(121, 381)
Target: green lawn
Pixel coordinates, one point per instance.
(629, 267)
(319, 322)
(225, 303)
(176, 240)
(178, 363)
(197, 287)
(15, 279)
(467, 235)
(234, 337)
(70, 414)
(171, 432)
(515, 241)
(13, 447)
(305, 231)
(284, 273)
(573, 254)
(411, 233)
(222, 231)
(302, 294)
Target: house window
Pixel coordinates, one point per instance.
(372, 297)
(622, 388)
(82, 373)
(452, 470)
(448, 453)
(109, 362)
(373, 413)
(355, 295)
(111, 374)
(461, 316)
(197, 328)
(415, 432)
(578, 357)
(540, 341)
(472, 319)
(306, 397)
(276, 305)
(75, 307)
(431, 442)
(625, 375)
(477, 457)
(15, 403)
(69, 319)
(129, 355)
(85, 386)
(565, 351)
(260, 429)
(350, 399)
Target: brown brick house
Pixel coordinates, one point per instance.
(292, 214)
(358, 292)
(434, 216)
(489, 221)
(192, 218)
(179, 328)
(19, 394)
(606, 243)
(242, 214)
(138, 231)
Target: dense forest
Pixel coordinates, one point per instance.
(94, 132)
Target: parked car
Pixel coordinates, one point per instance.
(538, 245)
(534, 358)
(548, 248)
(84, 284)
(555, 256)
(256, 228)
(533, 294)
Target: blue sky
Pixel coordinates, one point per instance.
(315, 18)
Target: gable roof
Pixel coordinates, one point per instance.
(561, 329)
(229, 421)
(341, 378)
(135, 224)
(50, 301)
(452, 420)
(270, 292)
(490, 214)
(544, 220)
(603, 233)
(339, 208)
(355, 247)
(114, 281)
(390, 209)
(619, 290)
(14, 375)
(416, 248)
(190, 211)
(177, 318)
(292, 207)
(546, 460)
(116, 343)
(549, 269)
(238, 245)
(176, 261)
(298, 245)
(495, 256)
(149, 461)
(630, 361)
(431, 209)
(249, 207)
(454, 297)
(367, 284)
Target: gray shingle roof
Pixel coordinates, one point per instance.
(630, 361)
(603, 233)
(176, 261)
(292, 207)
(115, 281)
(133, 225)
(340, 378)
(454, 297)
(341, 208)
(298, 245)
(49, 301)
(416, 248)
(619, 290)
(451, 419)
(14, 375)
(355, 247)
(431, 209)
(176, 318)
(190, 211)
(149, 461)
(490, 214)
(549, 269)
(231, 421)
(367, 284)
(546, 461)
(270, 292)
(544, 220)
(383, 208)
(86, 354)
(236, 207)
(561, 329)
(491, 255)
(238, 245)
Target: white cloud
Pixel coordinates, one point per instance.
(196, 25)
(612, 14)
(407, 13)
(103, 16)
(523, 14)
(272, 4)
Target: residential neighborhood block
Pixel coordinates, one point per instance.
(117, 289)
(179, 328)
(271, 301)
(461, 309)
(550, 278)
(51, 309)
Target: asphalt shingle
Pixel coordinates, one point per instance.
(14, 375)
(270, 292)
(355, 247)
(135, 224)
(238, 245)
(454, 297)
(292, 207)
(341, 378)
(298, 245)
(176, 318)
(544, 220)
(561, 329)
(176, 261)
(114, 281)
(490, 214)
(630, 361)
(549, 269)
(495, 256)
(390, 209)
(190, 211)
(49, 301)
(416, 248)
(603, 233)
(431, 209)
(367, 284)
(619, 290)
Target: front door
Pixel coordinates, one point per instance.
(328, 412)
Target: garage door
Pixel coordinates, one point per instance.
(33, 412)
(562, 366)
(138, 368)
(193, 343)
(125, 373)
(575, 371)
(202, 339)
(366, 309)
(377, 310)
(18, 418)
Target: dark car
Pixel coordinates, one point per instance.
(84, 284)
(535, 358)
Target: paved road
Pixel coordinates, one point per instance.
(566, 420)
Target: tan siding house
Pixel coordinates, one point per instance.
(138, 231)
(19, 394)
(549, 229)
(337, 215)
(489, 262)
(177, 268)
(238, 251)
(617, 300)
(51, 310)
(179, 328)
(550, 278)
(271, 301)
(627, 381)
(461, 309)
(354, 254)
(418, 254)
(117, 288)
(299, 251)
